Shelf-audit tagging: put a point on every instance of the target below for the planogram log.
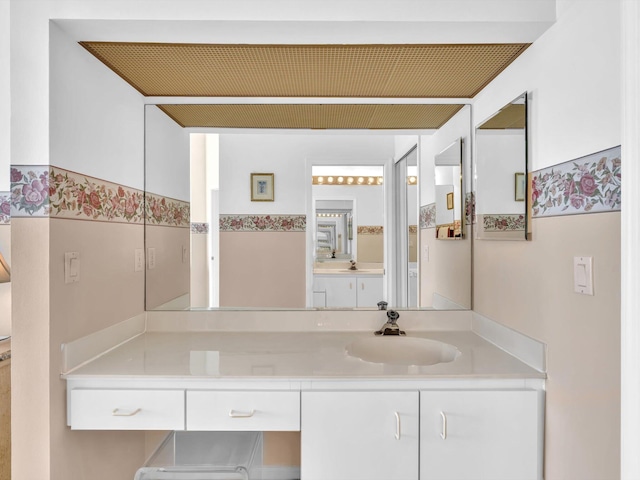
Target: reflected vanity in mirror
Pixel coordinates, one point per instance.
(348, 267)
(209, 245)
(502, 203)
(449, 192)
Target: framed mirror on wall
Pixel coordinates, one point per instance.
(502, 174)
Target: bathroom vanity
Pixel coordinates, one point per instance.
(356, 288)
(479, 416)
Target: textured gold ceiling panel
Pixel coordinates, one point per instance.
(309, 116)
(511, 116)
(435, 71)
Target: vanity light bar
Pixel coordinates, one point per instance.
(362, 181)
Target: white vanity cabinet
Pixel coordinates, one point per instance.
(211, 410)
(347, 290)
(480, 435)
(359, 435)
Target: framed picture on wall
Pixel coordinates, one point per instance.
(521, 187)
(450, 201)
(262, 187)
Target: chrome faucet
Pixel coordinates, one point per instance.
(391, 327)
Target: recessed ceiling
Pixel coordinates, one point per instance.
(371, 71)
(313, 116)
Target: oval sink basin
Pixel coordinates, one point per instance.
(399, 350)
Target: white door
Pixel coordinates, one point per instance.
(359, 436)
(480, 435)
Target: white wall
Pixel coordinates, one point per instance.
(96, 118)
(167, 158)
(5, 98)
(369, 200)
(402, 144)
(573, 76)
(286, 156)
(430, 145)
(499, 155)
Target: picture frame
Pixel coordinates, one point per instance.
(520, 187)
(262, 187)
(450, 201)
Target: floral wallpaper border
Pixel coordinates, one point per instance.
(5, 208)
(29, 191)
(587, 184)
(469, 208)
(199, 228)
(166, 212)
(503, 223)
(47, 191)
(76, 196)
(370, 229)
(428, 216)
(263, 223)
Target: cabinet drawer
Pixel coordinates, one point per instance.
(127, 409)
(246, 410)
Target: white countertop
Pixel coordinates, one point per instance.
(288, 355)
(348, 272)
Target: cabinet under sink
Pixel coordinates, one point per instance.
(343, 290)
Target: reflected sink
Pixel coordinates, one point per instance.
(399, 350)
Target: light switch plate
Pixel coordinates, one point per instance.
(583, 275)
(71, 267)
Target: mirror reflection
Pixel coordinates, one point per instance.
(449, 192)
(349, 210)
(501, 174)
(302, 241)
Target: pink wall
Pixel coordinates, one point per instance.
(262, 269)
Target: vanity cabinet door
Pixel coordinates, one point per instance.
(340, 291)
(369, 290)
(480, 435)
(359, 435)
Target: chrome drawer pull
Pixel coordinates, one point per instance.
(235, 414)
(118, 413)
(398, 426)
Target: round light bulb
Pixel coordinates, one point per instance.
(330, 179)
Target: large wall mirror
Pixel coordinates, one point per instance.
(266, 219)
(502, 203)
